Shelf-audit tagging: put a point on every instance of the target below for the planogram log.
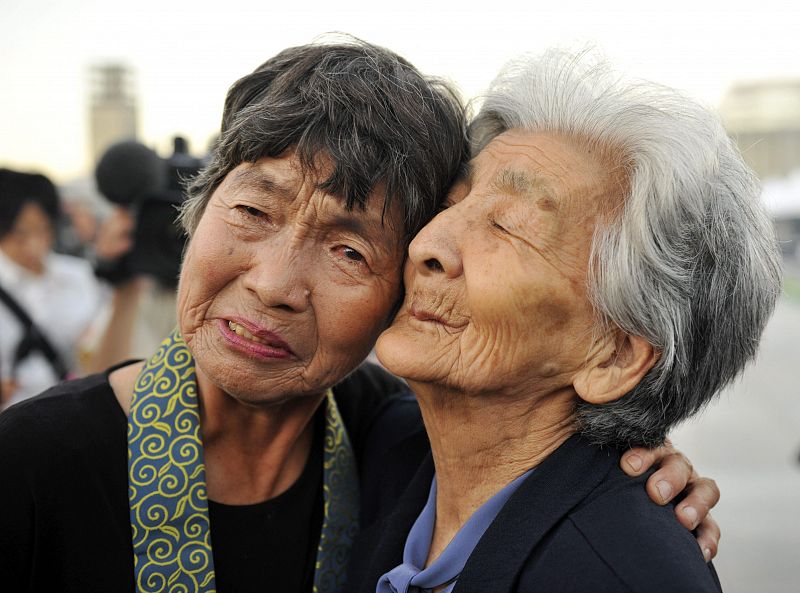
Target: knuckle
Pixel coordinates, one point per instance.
(712, 548)
(681, 458)
(709, 488)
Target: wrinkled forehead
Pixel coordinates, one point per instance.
(287, 181)
(555, 168)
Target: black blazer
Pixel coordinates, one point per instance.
(577, 524)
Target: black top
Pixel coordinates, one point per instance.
(64, 518)
(273, 541)
(576, 524)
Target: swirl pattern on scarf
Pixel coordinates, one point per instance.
(167, 483)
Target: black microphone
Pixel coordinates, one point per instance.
(129, 170)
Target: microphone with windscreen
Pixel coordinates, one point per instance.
(131, 174)
(129, 170)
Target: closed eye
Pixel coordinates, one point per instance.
(251, 211)
(497, 226)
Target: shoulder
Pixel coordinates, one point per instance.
(567, 562)
(578, 523)
(641, 543)
(42, 430)
(69, 266)
(63, 489)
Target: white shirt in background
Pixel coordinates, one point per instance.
(63, 301)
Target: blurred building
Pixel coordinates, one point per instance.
(764, 118)
(112, 108)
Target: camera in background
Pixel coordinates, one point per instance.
(132, 175)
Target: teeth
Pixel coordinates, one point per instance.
(240, 331)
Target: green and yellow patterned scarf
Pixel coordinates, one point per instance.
(167, 483)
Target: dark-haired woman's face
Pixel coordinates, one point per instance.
(30, 239)
(283, 291)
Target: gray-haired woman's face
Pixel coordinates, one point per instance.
(496, 294)
(283, 291)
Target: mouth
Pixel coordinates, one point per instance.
(421, 314)
(256, 341)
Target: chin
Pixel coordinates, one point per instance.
(388, 347)
(261, 399)
(404, 354)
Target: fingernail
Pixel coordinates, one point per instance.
(664, 490)
(691, 514)
(707, 554)
(635, 462)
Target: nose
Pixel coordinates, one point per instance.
(436, 248)
(37, 246)
(279, 277)
(34, 247)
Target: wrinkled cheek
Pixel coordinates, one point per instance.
(350, 327)
(553, 317)
(189, 312)
(451, 360)
(353, 331)
(484, 348)
(197, 286)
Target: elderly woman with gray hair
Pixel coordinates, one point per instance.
(602, 271)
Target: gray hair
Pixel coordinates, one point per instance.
(689, 262)
(371, 113)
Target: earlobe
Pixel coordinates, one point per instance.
(617, 368)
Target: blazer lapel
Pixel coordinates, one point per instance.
(559, 484)
(380, 548)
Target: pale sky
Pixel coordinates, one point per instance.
(186, 54)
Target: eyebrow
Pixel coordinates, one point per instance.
(526, 185)
(348, 223)
(263, 181)
(254, 178)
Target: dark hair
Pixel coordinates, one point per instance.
(18, 189)
(367, 110)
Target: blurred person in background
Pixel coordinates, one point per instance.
(48, 300)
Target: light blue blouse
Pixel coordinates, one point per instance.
(411, 576)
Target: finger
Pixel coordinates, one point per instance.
(671, 478)
(708, 535)
(702, 495)
(638, 460)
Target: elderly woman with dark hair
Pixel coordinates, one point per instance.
(248, 431)
(602, 271)
(245, 431)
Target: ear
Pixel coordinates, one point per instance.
(617, 367)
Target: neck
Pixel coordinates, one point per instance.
(482, 443)
(34, 268)
(253, 453)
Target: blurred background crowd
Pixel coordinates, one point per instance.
(104, 111)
